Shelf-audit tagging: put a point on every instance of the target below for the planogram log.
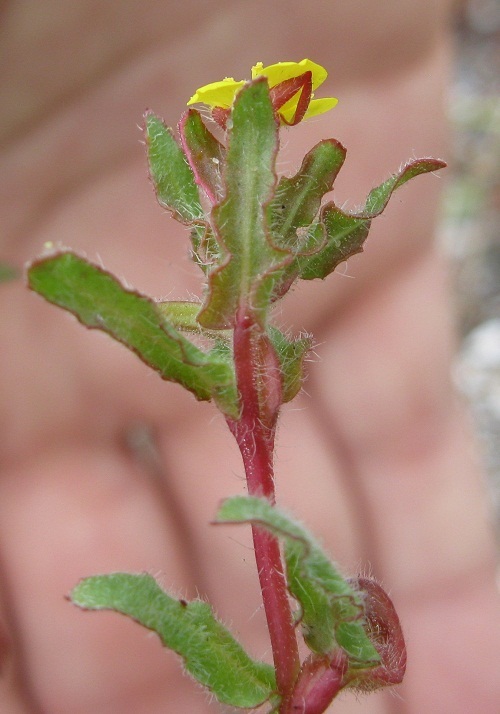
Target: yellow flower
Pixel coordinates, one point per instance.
(291, 87)
(218, 94)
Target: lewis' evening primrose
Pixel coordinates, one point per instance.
(254, 234)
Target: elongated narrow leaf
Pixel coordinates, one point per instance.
(205, 154)
(99, 301)
(210, 653)
(297, 200)
(347, 232)
(170, 172)
(247, 272)
(332, 611)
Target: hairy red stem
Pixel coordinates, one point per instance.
(254, 432)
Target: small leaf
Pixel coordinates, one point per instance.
(346, 232)
(332, 611)
(298, 199)
(291, 355)
(99, 301)
(170, 172)
(210, 653)
(204, 152)
(176, 189)
(248, 270)
(205, 250)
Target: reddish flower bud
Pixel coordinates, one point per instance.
(384, 629)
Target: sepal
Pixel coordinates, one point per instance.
(205, 154)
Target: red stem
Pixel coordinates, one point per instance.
(254, 432)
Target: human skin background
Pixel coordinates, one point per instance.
(376, 457)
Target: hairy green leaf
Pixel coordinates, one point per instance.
(210, 653)
(99, 301)
(176, 188)
(170, 172)
(332, 611)
(345, 233)
(247, 272)
(291, 354)
(183, 315)
(298, 199)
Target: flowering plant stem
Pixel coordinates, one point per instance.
(255, 438)
(253, 235)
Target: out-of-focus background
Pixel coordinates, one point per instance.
(470, 229)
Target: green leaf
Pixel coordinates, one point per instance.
(332, 611)
(298, 199)
(204, 152)
(170, 172)
(291, 354)
(99, 301)
(345, 233)
(176, 188)
(181, 314)
(250, 263)
(210, 653)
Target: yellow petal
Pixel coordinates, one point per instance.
(281, 71)
(320, 106)
(316, 106)
(217, 94)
